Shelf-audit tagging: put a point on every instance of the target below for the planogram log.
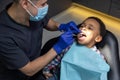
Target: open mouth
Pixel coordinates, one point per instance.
(82, 35)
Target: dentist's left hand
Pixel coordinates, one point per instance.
(69, 26)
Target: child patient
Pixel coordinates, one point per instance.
(92, 32)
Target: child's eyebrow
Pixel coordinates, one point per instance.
(91, 25)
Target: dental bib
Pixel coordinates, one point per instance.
(82, 63)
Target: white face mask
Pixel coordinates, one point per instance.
(41, 12)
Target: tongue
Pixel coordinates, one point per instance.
(81, 37)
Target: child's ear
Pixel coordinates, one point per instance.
(98, 38)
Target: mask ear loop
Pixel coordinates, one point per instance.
(33, 4)
(29, 13)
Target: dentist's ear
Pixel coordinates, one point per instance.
(98, 38)
(23, 3)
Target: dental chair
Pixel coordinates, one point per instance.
(109, 48)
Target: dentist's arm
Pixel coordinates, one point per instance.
(36, 65)
(53, 26)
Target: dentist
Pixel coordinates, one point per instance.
(21, 28)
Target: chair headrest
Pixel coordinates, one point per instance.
(110, 50)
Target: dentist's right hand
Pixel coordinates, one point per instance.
(65, 40)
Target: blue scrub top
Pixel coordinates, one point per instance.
(19, 44)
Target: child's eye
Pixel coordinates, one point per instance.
(90, 27)
(81, 26)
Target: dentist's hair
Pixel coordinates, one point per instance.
(16, 1)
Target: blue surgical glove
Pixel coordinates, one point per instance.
(65, 40)
(71, 25)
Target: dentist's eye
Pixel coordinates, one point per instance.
(43, 4)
